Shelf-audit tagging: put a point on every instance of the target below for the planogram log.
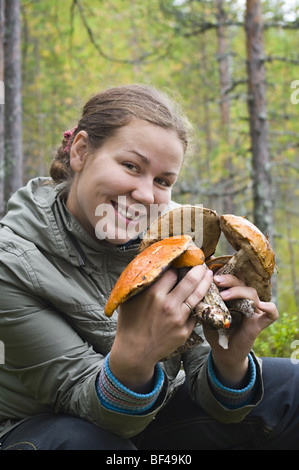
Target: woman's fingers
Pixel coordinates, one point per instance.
(187, 293)
(270, 309)
(227, 280)
(199, 281)
(235, 288)
(240, 292)
(166, 282)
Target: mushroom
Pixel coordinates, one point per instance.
(173, 239)
(254, 258)
(148, 266)
(216, 263)
(237, 307)
(202, 225)
(212, 310)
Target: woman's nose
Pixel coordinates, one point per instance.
(143, 193)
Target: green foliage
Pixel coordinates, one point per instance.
(276, 341)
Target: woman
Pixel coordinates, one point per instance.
(75, 379)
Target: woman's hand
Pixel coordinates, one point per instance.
(231, 364)
(153, 324)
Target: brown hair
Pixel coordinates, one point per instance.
(113, 108)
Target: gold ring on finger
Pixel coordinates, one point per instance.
(188, 305)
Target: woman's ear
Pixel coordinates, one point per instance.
(78, 151)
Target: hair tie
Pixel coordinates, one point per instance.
(68, 135)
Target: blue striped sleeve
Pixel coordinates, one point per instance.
(116, 397)
(229, 397)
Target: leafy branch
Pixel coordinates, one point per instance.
(141, 59)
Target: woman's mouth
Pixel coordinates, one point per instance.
(129, 213)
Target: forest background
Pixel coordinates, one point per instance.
(233, 66)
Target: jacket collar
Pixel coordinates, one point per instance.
(37, 212)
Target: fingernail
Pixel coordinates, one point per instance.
(218, 278)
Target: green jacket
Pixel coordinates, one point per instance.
(54, 283)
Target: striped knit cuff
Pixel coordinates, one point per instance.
(116, 397)
(229, 397)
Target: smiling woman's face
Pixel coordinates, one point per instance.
(117, 188)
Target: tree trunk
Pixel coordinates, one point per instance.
(262, 199)
(13, 98)
(223, 69)
(227, 201)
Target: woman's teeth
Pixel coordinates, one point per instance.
(126, 214)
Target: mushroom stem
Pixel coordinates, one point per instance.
(212, 311)
(237, 306)
(234, 264)
(217, 314)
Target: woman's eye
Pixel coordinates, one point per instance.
(163, 182)
(135, 169)
(130, 166)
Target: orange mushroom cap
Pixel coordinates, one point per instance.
(145, 268)
(241, 233)
(193, 256)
